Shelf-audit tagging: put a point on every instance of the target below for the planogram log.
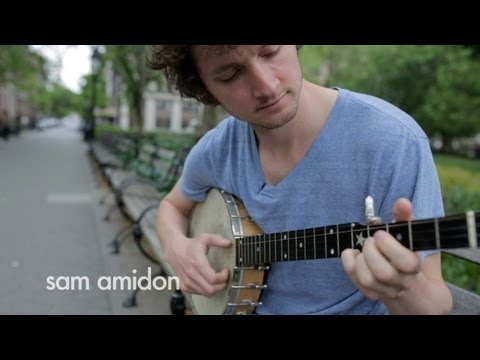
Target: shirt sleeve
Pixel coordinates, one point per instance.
(415, 177)
(198, 176)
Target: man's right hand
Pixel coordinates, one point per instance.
(188, 258)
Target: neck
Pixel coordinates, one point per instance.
(314, 108)
(450, 232)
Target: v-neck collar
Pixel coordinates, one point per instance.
(261, 184)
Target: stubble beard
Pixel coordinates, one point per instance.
(278, 123)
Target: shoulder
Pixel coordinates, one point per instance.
(219, 139)
(382, 117)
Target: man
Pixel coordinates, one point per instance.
(300, 155)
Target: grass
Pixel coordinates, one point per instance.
(460, 180)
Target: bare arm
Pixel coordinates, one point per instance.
(187, 256)
(387, 270)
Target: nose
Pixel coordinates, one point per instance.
(263, 82)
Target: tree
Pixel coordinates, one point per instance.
(452, 106)
(130, 61)
(21, 65)
(437, 85)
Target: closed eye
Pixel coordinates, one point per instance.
(271, 53)
(231, 76)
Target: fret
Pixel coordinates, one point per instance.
(309, 243)
(344, 237)
(296, 245)
(352, 225)
(338, 242)
(285, 249)
(268, 252)
(400, 232)
(325, 240)
(264, 250)
(315, 244)
(437, 234)
(292, 246)
(410, 236)
(331, 242)
(258, 250)
(278, 247)
(302, 244)
(452, 233)
(273, 249)
(423, 235)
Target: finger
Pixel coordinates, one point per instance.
(208, 289)
(399, 256)
(193, 287)
(403, 210)
(210, 276)
(217, 240)
(348, 261)
(381, 268)
(371, 287)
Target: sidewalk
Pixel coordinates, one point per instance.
(51, 225)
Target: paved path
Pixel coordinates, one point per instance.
(50, 225)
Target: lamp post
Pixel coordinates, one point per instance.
(96, 64)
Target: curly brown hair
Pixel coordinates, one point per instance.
(180, 70)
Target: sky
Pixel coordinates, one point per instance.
(73, 61)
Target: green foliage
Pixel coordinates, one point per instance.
(21, 66)
(460, 272)
(452, 106)
(130, 61)
(460, 180)
(165, 138)
(173, 141)
(61, 101)
(437, 85)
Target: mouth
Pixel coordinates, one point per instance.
(271, 104)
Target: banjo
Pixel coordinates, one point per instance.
(248, 260)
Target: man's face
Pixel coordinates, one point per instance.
(257, 83)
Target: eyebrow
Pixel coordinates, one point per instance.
(225, 67)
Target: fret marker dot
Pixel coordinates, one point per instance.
(301, 245)
(241, 259)
(284, 237)
(331, 231)
(258, 249)
(332, 251)
(399, 237)
(285, 255)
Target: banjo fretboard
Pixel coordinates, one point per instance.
(328, 242)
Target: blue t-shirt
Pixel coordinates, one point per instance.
(366, 147)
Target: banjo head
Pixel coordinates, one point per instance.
(212, 217)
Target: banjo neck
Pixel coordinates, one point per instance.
(328, 242)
